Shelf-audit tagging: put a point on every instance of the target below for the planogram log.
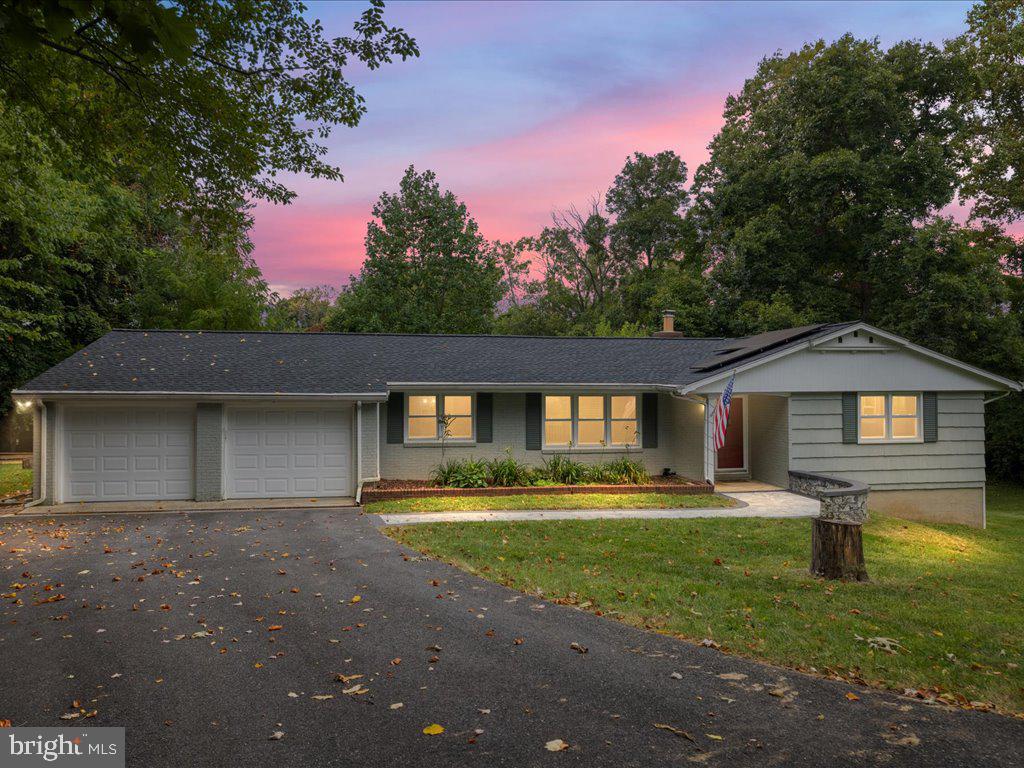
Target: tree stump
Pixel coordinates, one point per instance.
(837, 550)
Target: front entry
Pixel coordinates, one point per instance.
(732, 455)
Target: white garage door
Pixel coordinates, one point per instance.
(127, 453)
(288, 451)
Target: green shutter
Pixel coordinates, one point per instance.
(396, 417)
(930, 416)
(533, 421)
(849, 417)
(649, 413)
(484, 417)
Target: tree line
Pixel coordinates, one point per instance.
(826, 196)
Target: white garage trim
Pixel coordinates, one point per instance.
(288, 451)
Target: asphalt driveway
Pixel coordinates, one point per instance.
(204, 634)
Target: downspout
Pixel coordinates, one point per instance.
(377, 438)
(42, 460)
(359, 449)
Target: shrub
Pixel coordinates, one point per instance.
(625, 471)
(461, 473)
(508, 471)
(565, 471)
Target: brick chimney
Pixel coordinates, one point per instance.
(668, 326)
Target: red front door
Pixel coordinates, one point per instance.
(730, 455)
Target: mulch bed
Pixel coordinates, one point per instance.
(389, 490)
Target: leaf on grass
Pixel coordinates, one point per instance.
(433, 729)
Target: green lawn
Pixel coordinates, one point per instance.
(953, 597)
(13, 478)
(553, 501)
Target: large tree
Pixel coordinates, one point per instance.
(133, 136)
(427, 268)
(215, 99)
(992, 134)
(827, 157)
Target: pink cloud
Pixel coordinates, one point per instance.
(510, 184)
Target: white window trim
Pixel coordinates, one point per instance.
(888, 418)
(436, 441)
(574, 421)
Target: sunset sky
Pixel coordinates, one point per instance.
(525, 107)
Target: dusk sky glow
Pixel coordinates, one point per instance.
(521, 108)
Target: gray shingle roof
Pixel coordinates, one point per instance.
(215, 362)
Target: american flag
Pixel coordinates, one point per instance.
(722, 413)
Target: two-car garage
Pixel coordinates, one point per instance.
(149, 452)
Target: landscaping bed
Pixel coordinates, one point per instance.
(506, 476)
(390, 490)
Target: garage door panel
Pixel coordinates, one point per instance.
(288, 452)
(126, 453)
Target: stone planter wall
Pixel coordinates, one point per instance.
(841, 500)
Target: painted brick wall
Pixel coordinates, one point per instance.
(768, 421)
(209, 451)
(680, 431)
(370, 432)
(37, 452)
(50, 459)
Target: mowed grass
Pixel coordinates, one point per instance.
(14, 479)
(951, 596)
(553, 501)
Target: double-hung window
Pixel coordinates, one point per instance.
(431, 418)
(889, 418)
(591, 421)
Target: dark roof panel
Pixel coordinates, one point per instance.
(327, 363)
(750, 348)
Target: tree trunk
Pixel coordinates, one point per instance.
(837, 551)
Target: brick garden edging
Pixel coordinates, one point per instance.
(371, 493)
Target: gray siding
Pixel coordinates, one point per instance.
(957, 459)
(209, 451)
(768, 424)
(677, 428)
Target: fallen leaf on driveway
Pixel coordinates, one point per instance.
(323, 696)
(346, 678)
(578, 648)
(556, 745)
(433, 729)
(714, 736)
(676, 676)
(677, 731)
(397, 705)
(356, 690)
(732, 676)
(852, 696)
(708, 643)
(274, 627)
(276, 736)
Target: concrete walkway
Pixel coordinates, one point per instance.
(755, 504)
